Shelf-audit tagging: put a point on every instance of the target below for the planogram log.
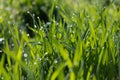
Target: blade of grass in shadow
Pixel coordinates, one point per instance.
(6, 76)
(57, 72)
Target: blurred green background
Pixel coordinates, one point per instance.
(59, 39)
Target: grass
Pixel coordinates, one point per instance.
(83, 44)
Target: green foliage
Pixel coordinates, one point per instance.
(82, 43)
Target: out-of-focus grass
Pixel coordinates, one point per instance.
(82, 45)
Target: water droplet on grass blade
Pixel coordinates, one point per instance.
(55, 61)
(12, 45)
(28, 35)
(46, 53)
(70, 26)
(25, 55)
(57, 23)
(9, 22)
(40, 59)
(24, 78)
(35, 63)
(1, 39)
(0, 51)
(54, 36)
(103, 47)
(47, 58)
(104, 7)
(33, 3)
(38, 17)
(56, 7)
(87, 16)
(73, 32)
(2, 77)
(33, 15)
(45, 72)
(7, 8)
(28, 12)
(26, 61)
(11, 16)
(73, 14)
(35, 26)
(41, 28)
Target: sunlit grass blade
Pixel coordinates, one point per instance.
(58, 71)
(89, 73)
(78, 53)
(2, 69)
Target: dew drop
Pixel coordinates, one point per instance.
(72, 17)
(25, 60)
(7, 9)
(103, 47)
(33, 2)
(38, 17)
(48, 23)
(9, 22)
(87, 16)
(28, 12)
(73, 14)
(39, 42)
(12, 45)
(24, 78)
(47, 58)
(70, 26)
(57, 23)
(54, 36)
(73, 32)
(56, 7)
(40, 59)
(25, 55)
(28, 35)
(104, 7)
(46, 53)
(45, 72)
(35, 63)
(33, 15)
(23, 51)
(2, 77)
(41, 28)
(0, 51)
(83, 24)
(35, 26)
(11, 16)
(55, 61)
(1, 39)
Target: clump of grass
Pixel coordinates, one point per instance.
(82, 44)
